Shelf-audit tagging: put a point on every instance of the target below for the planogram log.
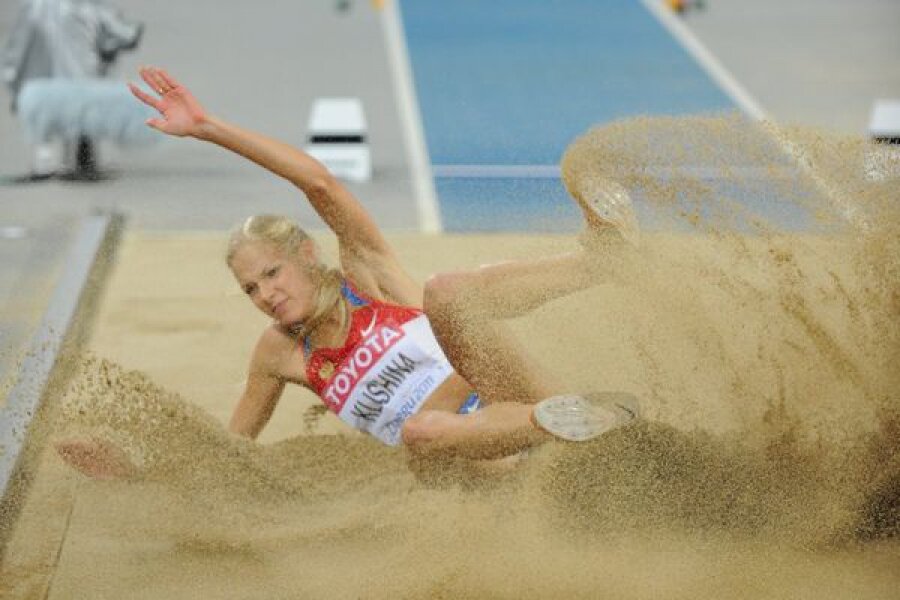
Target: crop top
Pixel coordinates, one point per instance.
(388, 366)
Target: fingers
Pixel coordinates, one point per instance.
(149, 101)
(167, 79)
(153, 78)
(149, 78)
(158, 79)
(143, 96)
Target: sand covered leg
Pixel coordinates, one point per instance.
(465, 307)
(496, 431)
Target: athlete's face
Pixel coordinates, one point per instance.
(279, 285)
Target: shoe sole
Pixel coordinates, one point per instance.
(581, 418)
(608, 203)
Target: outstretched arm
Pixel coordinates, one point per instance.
(182, 115)
(263, 388)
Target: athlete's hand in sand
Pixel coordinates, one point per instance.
(180, 113)
(96, 458)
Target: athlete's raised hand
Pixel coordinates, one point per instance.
(180, 113)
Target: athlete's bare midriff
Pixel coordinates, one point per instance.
(450, 395)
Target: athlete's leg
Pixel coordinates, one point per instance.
(513, 288)
(464, 309)
(494, 431)
(480, 348)
(505, 428)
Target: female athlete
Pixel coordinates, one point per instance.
(429, 367)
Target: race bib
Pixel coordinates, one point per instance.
(387, 377)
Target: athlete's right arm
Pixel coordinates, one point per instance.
(261, 393)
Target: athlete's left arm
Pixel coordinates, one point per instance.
(366, 256)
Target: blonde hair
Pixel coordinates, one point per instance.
(285, 235)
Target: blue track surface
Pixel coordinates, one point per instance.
(512, 82)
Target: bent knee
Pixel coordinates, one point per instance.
(443, 291)
(447, 293)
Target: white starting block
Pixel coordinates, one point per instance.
(884, 125)
(337, 136)
(883, 160)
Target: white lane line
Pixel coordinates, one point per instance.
(706, 60)
(663, 172)
(497, 171)
(416, 150)
(751, 108)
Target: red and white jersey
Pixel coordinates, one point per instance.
(390, 364)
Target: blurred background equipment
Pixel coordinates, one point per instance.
(73, 40)
(77, 112)
(682, 6)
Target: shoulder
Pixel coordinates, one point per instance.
(273, 348)
(381, 276)
(274, 337)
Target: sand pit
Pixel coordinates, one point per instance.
(767, 467)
